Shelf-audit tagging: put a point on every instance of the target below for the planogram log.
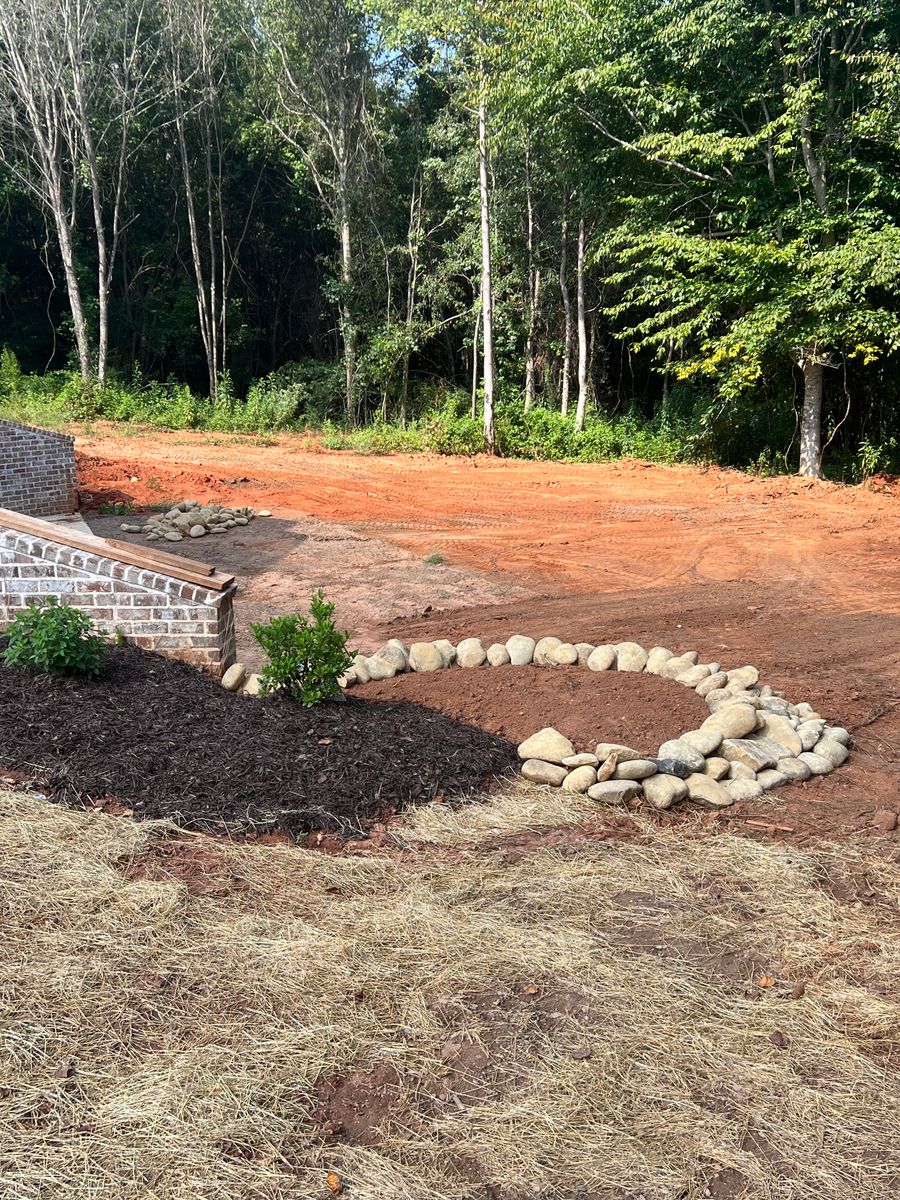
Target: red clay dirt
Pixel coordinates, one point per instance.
(640, 711)
(798, 577)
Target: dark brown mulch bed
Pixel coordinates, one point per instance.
(167, 741)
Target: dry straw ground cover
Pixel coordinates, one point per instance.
(192, 1019)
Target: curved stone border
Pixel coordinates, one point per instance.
(752, 740)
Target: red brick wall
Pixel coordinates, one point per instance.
(149, 608)
(37, 470)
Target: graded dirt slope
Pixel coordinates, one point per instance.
(800, 578)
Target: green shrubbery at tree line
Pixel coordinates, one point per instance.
(663, 228)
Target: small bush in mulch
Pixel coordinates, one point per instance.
(167, 741)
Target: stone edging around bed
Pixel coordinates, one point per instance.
(753, 739)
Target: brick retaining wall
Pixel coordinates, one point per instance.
(37, 470)
(148, 607)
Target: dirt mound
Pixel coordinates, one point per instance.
(641, 711)
(167, 741)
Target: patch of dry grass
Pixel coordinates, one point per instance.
(568, 1024)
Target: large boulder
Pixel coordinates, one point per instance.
(543, 650)
(630, 657)
(470, 653)
(603, 658)
(425, 657)
(548, 744)
(732, 721)
(521, 649)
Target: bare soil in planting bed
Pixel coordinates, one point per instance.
(640, 711)
(163, 740)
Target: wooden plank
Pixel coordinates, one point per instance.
(163, 556)
(135, 556)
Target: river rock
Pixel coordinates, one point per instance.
(707, 791)
(497, 655)
(380, 667)
(684, 752)
(717, 768)
(771, 778)
(196, 531)
(794, 770)
(678, 664)
(580, 779)
(779, 729)
(602, 659)
(739, 770)
(693, 676)
(817, 763)
(837, 733)
(756, 753)
(656, 659)
(447, 652)
(704, 740)
(395, 652)
(538, 771)
(425, 657)
(543, 650)
(585, 650)
(361, 669)
(565, 655)
(635, 768)
(630, 657)
(172, 536)
(581, 760)
(470, 653)
(607, 768)
(743, 789)
(664, 790)
(743, 677)
(615, 791)
(234, 677)
(253, 685)
(835, 752)
(548, 744)
(732, 721)
(624, 753)
(521, 649)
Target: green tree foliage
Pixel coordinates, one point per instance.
(672, 215)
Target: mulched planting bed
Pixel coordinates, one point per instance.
(641, 711)
(165, 740)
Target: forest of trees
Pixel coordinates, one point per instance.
(547, 212)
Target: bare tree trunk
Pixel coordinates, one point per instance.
(530, 357)
(474, 408)
(582, 332)
(348, 333)
(487, 293)
(567, 313)
(811, 418)
(67, 254)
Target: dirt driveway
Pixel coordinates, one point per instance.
(800, 578)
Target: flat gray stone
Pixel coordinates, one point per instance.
(771, 778)
(580, 779)
(602, 659)
(425, 657)
(624, 753)
(664, 790)
(684, 752)
(615, 791)
(521, 649)
(794, 770)
(630, 657)
(817, 763)
(635, 768)
(732, 721)
(538, 771)
(497, 655)
(471, 653)
(548, 744)
(581, 760)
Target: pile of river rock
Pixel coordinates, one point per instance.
(190, 518)
(753, 739)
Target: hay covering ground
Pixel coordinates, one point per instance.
(555, 1024)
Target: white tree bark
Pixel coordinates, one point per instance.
(487, 292)
(582, 332)
(811, 417)
(565, 384)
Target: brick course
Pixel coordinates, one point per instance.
(37, 470)
(147, 607)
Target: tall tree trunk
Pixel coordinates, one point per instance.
(567, 314)
(487, 292)
(811, 418)
(582, 332)
(67, 254)
(474, 408)
(534, 286)
(348, 333)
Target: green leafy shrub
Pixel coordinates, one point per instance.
(306, 653)
(54, 639)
